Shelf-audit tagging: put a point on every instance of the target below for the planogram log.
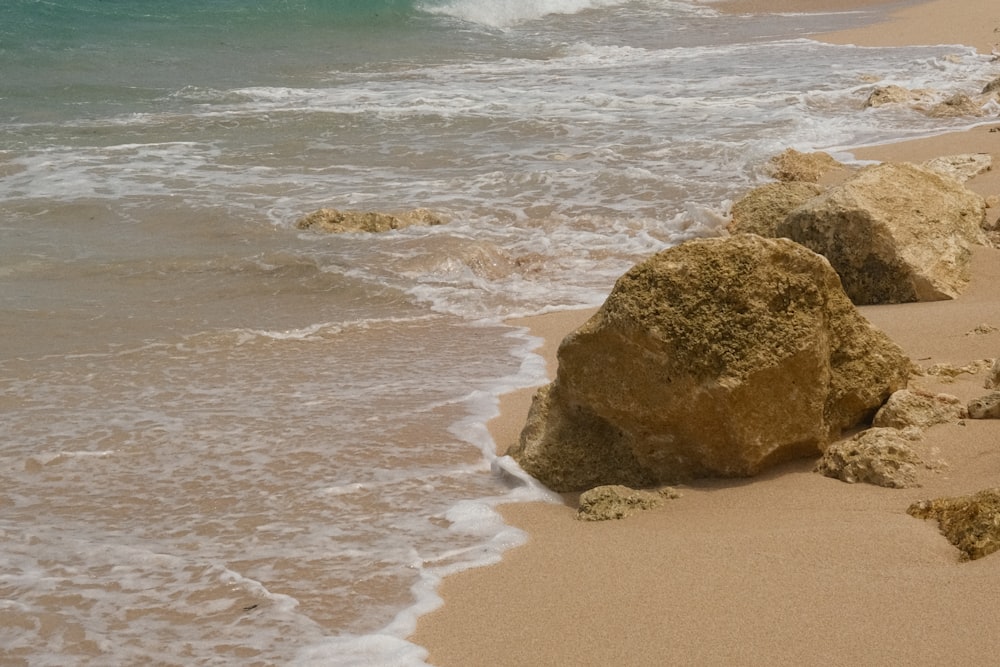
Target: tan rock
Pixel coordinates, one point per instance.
(617, 502)
(718, 357)
(971, 523)
(949, 372)
(959, 104)
(761, 209)
(960, 167)
(985, 407)
(893, 94)
(992, 380)
(793, 165)
(878, 456)
(335, 221)
(907, 408)
(894, 233)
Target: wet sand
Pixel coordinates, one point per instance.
(786, 568)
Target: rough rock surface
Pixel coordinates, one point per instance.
(894, 233)
(950, 372)
(992, 87)
(907, 408)
(718, 357)
(879, 456)
(338, 222)
(985, 407)
(960, 167)
(893, 94)
(793, 165)
(956, 105)
(761, 209)
(971, 523)
(617, 502)
(992, 380)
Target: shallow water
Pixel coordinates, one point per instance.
(225, 440)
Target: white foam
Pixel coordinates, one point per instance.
(506, 13)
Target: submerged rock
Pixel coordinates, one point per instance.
(894, 233)
(335, 221)
(971, 523)
(615, 501)
(718, 357)
(878, 456)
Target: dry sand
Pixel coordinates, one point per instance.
(790, 568)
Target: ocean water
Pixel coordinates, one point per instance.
(227, 441)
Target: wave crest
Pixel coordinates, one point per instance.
(506, 13)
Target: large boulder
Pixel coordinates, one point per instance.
(761, 209)
(718, 357)
(894, 233)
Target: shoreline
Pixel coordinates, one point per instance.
(788, 567)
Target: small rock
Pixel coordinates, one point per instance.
(960, 167)
(878, 456)
(993, 377)
(906, 408)
(985, 407)
(959, 104)
(615, 501)
(971, 523)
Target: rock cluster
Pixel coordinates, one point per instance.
(971, 523)
(718, 357)
(335, 221)
(894, 232)
(931, 102)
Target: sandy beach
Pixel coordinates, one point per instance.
(789, 567)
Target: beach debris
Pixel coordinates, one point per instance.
(960, 167)
(614, 501)
(335, 221)
(985, 407)
(717, 357)
(877, 456)
(908, 408)
(894, 232)
(761, 209)
(971, 523)
(792, 165)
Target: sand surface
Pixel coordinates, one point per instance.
(789, 568)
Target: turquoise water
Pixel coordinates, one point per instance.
(227, 441)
